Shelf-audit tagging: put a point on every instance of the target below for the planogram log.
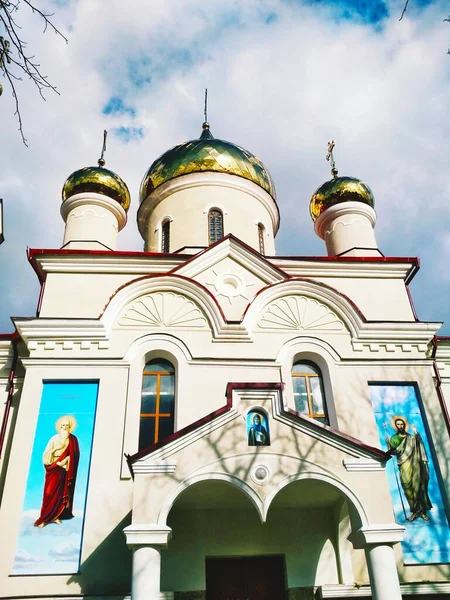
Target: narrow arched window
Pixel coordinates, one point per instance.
(165, 236)
(309, 396)
(261, 238)
(157, 402)
(215, 225)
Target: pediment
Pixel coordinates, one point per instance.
(233, 273)
(223, 434)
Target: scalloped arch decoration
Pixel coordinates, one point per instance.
(163, 309)
(299, 313)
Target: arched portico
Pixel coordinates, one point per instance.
(302, 522)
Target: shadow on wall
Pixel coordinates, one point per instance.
(108, 569)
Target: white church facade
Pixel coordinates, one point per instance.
(207, 420)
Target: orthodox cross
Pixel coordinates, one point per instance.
(205, 111)
(330, 158)
(101, 160)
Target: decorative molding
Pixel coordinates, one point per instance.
(147, 535)
(230, 284)
(299, 313)
(362, 465)
(416, 589)
(182, 442)
(260, 474)
(363, 222)
(220, 207)
(376, 535)
(163, 309)
(343, 268)
(353, 209)
(85, 199)
(232, 248)
(107, 263)
(154, 468)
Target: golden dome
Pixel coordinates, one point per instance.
(98, 180)
(337, 191)
(206, 154)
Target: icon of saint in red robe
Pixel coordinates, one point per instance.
(60, 460)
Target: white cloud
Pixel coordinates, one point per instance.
(23, 558)
(64, 552)
(281, 90)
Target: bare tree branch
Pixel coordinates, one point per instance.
(404, 10)
(14, 56)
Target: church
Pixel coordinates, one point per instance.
(208, 420)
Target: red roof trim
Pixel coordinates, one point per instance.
(178, 434)
(9, 336)
(371, 259)
(33, 253)
(231, 386)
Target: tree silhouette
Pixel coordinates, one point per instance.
(15, 58)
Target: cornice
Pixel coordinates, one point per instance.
(349, 591)
(108, 264)
(376, 535)
(352, 270)
(147, 535)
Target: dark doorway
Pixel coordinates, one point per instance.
(245, 578)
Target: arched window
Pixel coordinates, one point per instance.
(215, 225)
(309, 397)
(165, 236)
(157, 402)
(261, 238)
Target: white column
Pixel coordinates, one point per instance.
(348, 230)
(146, 582)
(383, 572)
(377, 542)
(146, 541)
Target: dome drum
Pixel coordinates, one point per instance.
(188, 200)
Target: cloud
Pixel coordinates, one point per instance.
(283, 78)
(64, 552)
(23, 558)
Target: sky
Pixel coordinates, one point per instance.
(283, 76)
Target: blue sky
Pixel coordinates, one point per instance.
(284, 77)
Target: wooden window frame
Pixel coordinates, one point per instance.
(157, 415)
(309, 393)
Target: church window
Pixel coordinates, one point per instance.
(165, 236)
(215, 224)
(309, 396)
(261, 238)
(157, 402)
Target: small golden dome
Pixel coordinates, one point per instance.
(206, 154)
(337, 191)
(98, 180)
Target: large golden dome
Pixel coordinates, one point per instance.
(98, 180)
(337, 191)
(206, 154)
